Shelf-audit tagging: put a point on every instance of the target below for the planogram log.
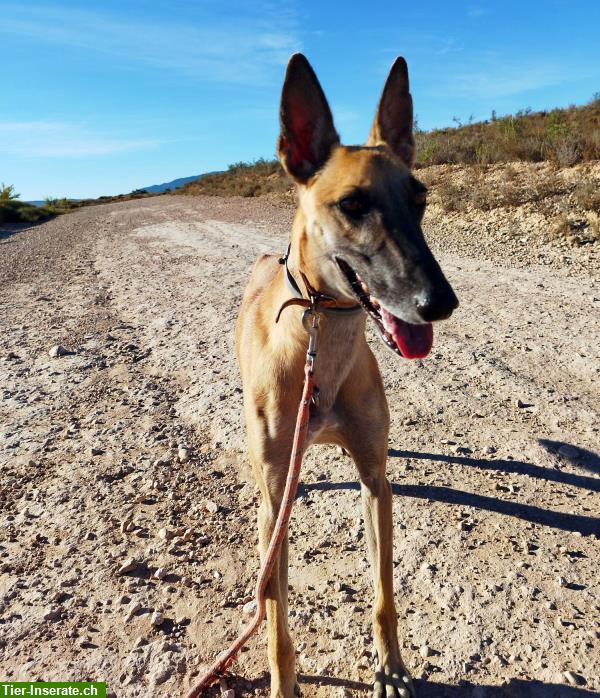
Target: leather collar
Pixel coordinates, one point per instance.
(293, 287)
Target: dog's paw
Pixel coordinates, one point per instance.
(392, 680)
(279, 693)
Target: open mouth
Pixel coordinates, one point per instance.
(403, 338)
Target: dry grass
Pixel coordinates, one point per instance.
(459, 188)
(576, 231)
(561, 136)
(243, 179)
(587, 195)
(564, 136)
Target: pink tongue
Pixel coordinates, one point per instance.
(414, 341)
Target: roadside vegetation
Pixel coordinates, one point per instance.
(563, 137)
(13, 210)
(256, 178)
(475, 166)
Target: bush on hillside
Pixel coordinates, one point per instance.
(7, 192)
(15, 211)
(564, 136)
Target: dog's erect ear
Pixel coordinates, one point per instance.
(307, 130)
(393, 124)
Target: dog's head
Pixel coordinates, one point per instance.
(363, 208)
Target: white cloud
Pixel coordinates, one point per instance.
(496, 77)
(50, 139)
(217, 49)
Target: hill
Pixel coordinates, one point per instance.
(562, 136)
(172, 185)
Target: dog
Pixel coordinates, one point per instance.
(357, 238)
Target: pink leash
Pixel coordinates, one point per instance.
(226, 658)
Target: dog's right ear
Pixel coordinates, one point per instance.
(307, 131)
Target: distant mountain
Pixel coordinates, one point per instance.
(175, 184)
(154, 189)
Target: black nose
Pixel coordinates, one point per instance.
(436, 304)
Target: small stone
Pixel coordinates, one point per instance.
(161, 675)
(57, 351)
(52, 614)
(488, 450)
(160, 573)
(127, 526)
(183, 454)
(133, 609)
(573, 678)
(211, 507)
(157, 619)
(128, 566)
(425, 651)
(165, 534)
(250, 607)
(95, 451)
(568, 452)
(140, 641)
(562, 582)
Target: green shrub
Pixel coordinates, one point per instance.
(14, 211)
(565, 136)
(7, 192)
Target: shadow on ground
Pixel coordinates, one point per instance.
(517, 467)
(7, 230)
(575, 455)
(586, 525)
(514, 688)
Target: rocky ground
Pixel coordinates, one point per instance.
(127, 548)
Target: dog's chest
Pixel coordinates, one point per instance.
(323, 425)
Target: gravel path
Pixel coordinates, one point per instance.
(127, 498)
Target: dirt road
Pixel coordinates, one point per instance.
(127, 499)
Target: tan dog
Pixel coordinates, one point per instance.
(356, 235)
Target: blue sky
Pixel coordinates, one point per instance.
(101, 98)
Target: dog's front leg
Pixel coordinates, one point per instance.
(391, 678)
(280, 647)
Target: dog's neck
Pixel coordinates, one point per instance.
(340, 335)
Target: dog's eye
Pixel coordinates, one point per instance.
(355, 205)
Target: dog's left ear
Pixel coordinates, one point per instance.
(393, 124)
(307, 131)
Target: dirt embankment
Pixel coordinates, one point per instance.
(126, 496)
